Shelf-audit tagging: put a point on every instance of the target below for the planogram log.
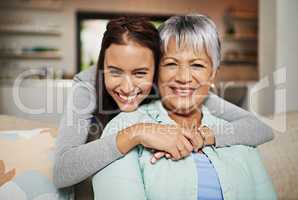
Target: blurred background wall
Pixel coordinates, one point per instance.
(258, 70)
(65, 17)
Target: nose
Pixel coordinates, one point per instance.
(127, 86)
(183, 75)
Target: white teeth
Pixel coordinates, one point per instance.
(128, 98)
(183, 92)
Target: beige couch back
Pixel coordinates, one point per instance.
(281, 158)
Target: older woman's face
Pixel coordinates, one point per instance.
(184, 78)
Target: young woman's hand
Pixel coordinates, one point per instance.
(206, 133)
(178, 142)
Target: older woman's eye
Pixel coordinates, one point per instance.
(196, 65)
(171, 64)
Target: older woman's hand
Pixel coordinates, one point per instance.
(204, 131)
(158, 155)
(178, 142)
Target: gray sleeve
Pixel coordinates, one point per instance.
(242, 127)
(76, 160)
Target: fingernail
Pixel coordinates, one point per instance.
(153, 160)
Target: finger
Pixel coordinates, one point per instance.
(159, 155)
(168, 155)
(188, 146)
(192, 137)
(175, 154)
(182, 149)
(153, 160)
(197, 141)
(186, 133)
(180, 146)
(155, 157)
(200, 140)
(184, 154)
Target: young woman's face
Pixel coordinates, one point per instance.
(128, 74)
(184, 78)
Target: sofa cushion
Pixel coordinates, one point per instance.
(26, 165)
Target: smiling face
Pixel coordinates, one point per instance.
(128, 74)
(184, 78)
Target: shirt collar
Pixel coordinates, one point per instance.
(158, 113)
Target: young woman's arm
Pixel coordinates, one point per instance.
(76, 160)
(243, 127)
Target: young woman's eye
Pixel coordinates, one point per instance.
(140, 74)
(115, 72)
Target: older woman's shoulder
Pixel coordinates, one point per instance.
(123, 120)
(152, 105)
(137, 116)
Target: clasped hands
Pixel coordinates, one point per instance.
(174, 142)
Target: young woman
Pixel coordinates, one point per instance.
(191, 52)
(129, 57)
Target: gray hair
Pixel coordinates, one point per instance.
(194, 30)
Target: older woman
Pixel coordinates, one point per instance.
(191, 55)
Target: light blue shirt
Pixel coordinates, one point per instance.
(208, 183)
(239, 168)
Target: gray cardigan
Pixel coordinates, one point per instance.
(76, 160)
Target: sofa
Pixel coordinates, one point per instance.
(279, 156)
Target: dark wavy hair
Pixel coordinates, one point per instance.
(121, 31)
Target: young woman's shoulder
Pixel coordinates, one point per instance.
(83, 92)
(87, 75)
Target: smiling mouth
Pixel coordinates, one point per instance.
(183, 92)
(127, 99)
